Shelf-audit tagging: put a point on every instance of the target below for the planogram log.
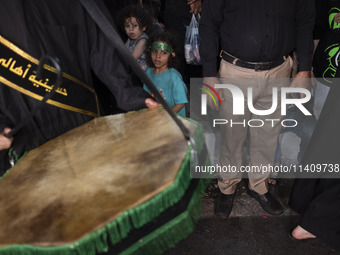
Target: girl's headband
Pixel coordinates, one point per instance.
(161, 46)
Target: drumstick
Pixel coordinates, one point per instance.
(57, 84)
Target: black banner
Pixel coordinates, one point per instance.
(18, 71)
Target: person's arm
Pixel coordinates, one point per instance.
(177, 107)
(179, 92)
(139, 48)
(304, 24)
(209, 29)
(5, 143)
(150, 103)
(321, 21)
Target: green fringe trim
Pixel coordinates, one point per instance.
(116, 231)
(167, 198)
(196, 131)
(15, 163)
(174, 231)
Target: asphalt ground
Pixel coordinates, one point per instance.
(249, 230)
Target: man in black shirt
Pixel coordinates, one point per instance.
(254, 40)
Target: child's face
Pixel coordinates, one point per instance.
(160, 59)
(132, 28)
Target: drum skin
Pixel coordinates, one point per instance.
(82, 180)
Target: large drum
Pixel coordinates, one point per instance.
(117, 185)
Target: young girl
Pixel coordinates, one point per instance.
(134, 20)
(161, 59)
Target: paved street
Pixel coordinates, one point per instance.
(248, 230)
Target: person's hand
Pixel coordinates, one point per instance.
(150, 103)
(195, 6)
(337, 18)
(302, 80)
(5, 142)
(211, 81)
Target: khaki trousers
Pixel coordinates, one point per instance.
(263, 140)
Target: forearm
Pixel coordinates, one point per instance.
(177, 107)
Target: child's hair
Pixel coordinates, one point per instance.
(142, 16)
(166, 37)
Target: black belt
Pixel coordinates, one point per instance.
(262, 66)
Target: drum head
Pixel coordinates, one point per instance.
(84, 179)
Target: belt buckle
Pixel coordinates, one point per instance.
(258, 68)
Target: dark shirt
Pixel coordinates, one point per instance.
(325, 61)
(256, 31)
(61, 29)
(321, 17)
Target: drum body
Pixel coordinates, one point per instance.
(87, 190)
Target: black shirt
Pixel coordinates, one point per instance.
(326, 57)
(256, 31)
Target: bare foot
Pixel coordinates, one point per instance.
(300, 233)
(271, 180)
